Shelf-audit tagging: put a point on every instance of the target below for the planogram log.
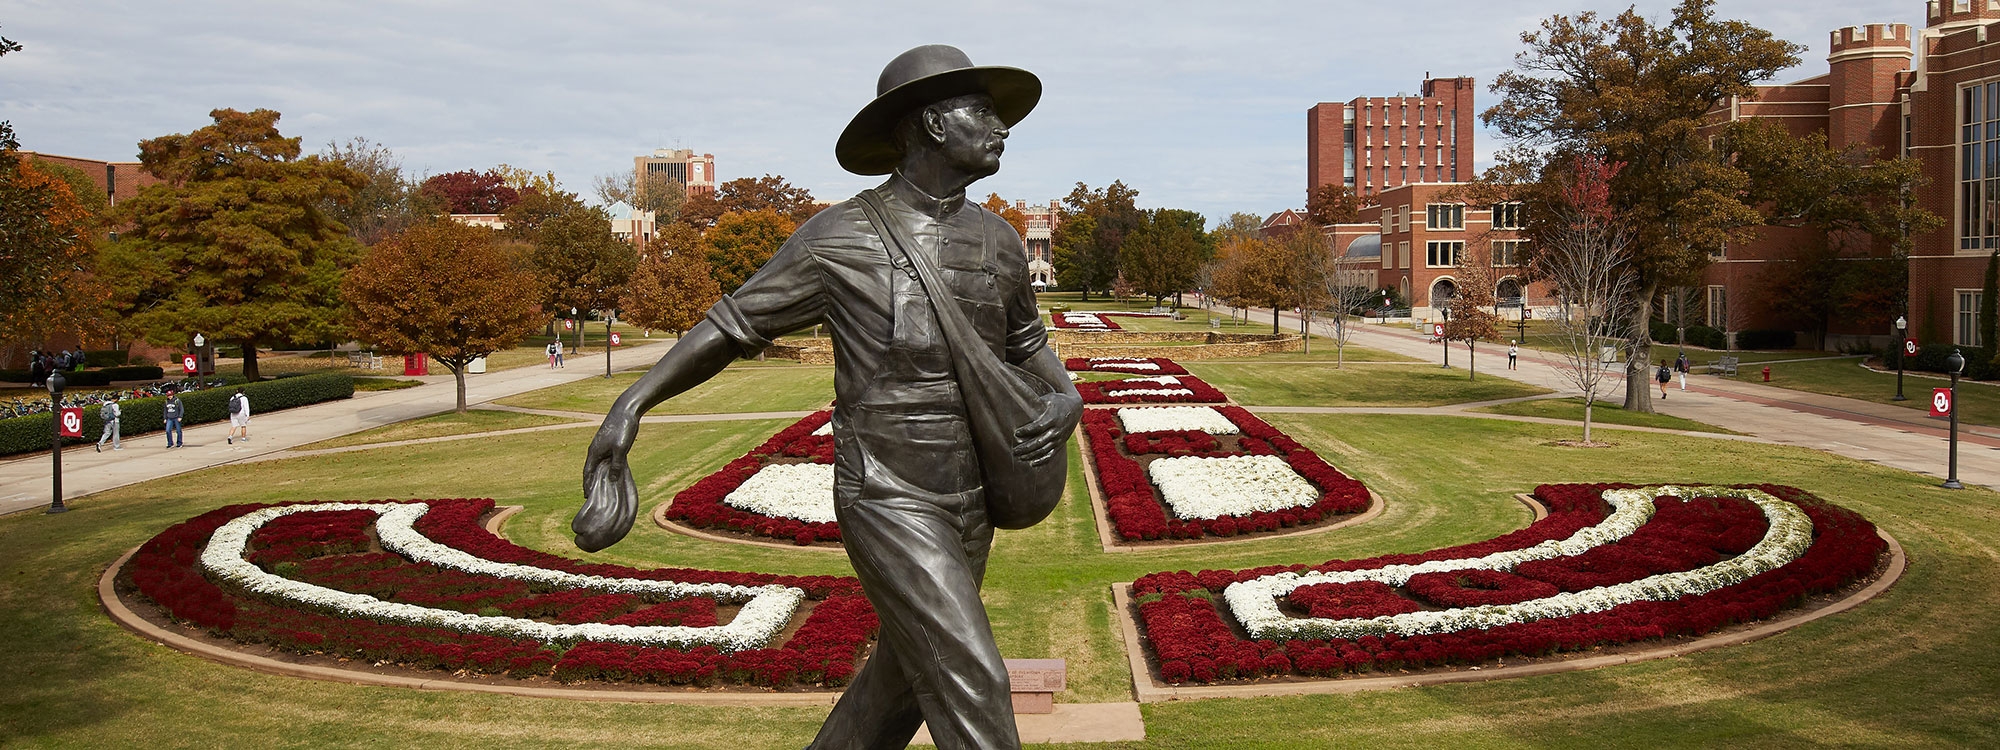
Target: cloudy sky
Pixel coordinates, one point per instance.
(1198, 105)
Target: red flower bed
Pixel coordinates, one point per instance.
(822, 651)
(1344, 600)
(1056, 320)
(1472, 588)
(1138, 514)
(1113, 392)
(1167, 366)
(701, 505)
(1195, 640)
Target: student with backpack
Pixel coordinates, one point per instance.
(110, 413)
(1681, 368)
(1665, 376)
(239, 417)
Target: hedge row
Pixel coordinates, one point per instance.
(1702, 336)
(105, 376)
(140, 416)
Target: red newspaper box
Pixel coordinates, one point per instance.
(416, 364)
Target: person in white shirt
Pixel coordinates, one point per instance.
(239, 417)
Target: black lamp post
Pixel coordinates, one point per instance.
(607, 346)
(1902, 324)
(578, 349)
(1447, 342)
(56, 384)
(1957, 364)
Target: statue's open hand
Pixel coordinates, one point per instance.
(611, 499)
(1040, 439)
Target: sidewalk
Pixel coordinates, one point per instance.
(1889, 435)
(25, 482)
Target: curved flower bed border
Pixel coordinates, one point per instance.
(1126, 365)
(1193, 640)
(701, 505)
(1082, 321)
(471, 568)
(1184, 389)
(1134, 505)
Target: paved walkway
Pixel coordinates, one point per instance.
(25, 482)
(1889, 435)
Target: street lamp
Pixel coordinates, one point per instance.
(1902, 352)
(1957, 365)
(608, 320)
(56, 384)
(1447, 342)
(578, 349)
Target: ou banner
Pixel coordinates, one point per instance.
(1941, 402)
(1910, 347)
(188, 363)
(71, 421)
(1437, 330)
(614, 339)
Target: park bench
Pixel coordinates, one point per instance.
(1724, 366)
(364, 360)
(1035, 683)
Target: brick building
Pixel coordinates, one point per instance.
(1042, 221)
(1931, 94)
(696, 171)
(118, 179)
(1372, 144)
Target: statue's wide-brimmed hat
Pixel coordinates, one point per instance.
(927, 74)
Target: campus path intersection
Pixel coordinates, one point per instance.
(25, 481)
(1892, 436)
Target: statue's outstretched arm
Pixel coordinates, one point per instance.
(611, 499)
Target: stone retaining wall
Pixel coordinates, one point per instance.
(810, 355)
(1067, 336)
(1267, 345)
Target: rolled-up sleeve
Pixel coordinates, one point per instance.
(787, 294)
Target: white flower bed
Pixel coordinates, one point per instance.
(825, 429)
(1085, 320)
(801, 491)
(1207, 488)
(1255, 602)
(766, 609)
(1164, 418)
(1150, 392)
(1137, 382)
(1123, 363)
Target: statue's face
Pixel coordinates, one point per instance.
(974, 136)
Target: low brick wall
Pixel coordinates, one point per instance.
(810, 355)
(1258, 344)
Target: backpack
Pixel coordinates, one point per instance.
(236, 404)
(1664, 374)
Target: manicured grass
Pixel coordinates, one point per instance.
(1914, 667)
(1572, 409)
(448, 423)
(739, 389)
(1978, 403)
(1376, 385)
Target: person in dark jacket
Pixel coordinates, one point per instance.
(172, 412)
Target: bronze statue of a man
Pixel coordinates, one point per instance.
(908, 489)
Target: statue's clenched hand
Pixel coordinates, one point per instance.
(1040, 439)
(611, 499)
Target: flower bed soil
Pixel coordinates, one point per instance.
(171, 582)
(1192, 636)
(1139, 514)
(701, 505)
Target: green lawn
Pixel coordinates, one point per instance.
(1376, 385)
(1572, 409)
(1914, 667)
(746, 387)
(440, 425)
(1978, 403)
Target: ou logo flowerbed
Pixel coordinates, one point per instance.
(781, 490)
(422, 584)
(1611, 564)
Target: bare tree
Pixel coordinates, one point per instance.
(653, 191)
(1349, 288)
(1470, 321)
(1585, 255)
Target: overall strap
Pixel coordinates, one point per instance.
(952, 323)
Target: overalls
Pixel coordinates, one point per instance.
(913, 517)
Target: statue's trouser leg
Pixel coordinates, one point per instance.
(920, 560)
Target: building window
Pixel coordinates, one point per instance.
(1403, 256)
(1445, 216)
(1508, 252)
(1979, 167)
(1718, 307)
(1443, 253)
(1967, 320)
(1510, 216)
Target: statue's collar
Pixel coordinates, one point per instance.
(916, 198)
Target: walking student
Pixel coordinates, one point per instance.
(1665, 375)
(239, 417)
(555, 354)
(1681, 368)
(172, 413)
(110, 413)
(1513, 354)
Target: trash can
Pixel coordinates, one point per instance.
(476, 367)
(416, 364)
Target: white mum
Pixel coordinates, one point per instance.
(825, 429)
(801, 491)
(766, 609)
(1163, 418)
(1150, 392)
(1254, 602)
(1207, 488)
(1137, 382)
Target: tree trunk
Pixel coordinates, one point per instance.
(1471, 365)
(1588, 399)
(1305, 329)
(1274, 320)
(458, 373)
(250, 360)
(1638, 373)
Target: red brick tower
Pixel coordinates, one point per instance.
(1864, 66)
